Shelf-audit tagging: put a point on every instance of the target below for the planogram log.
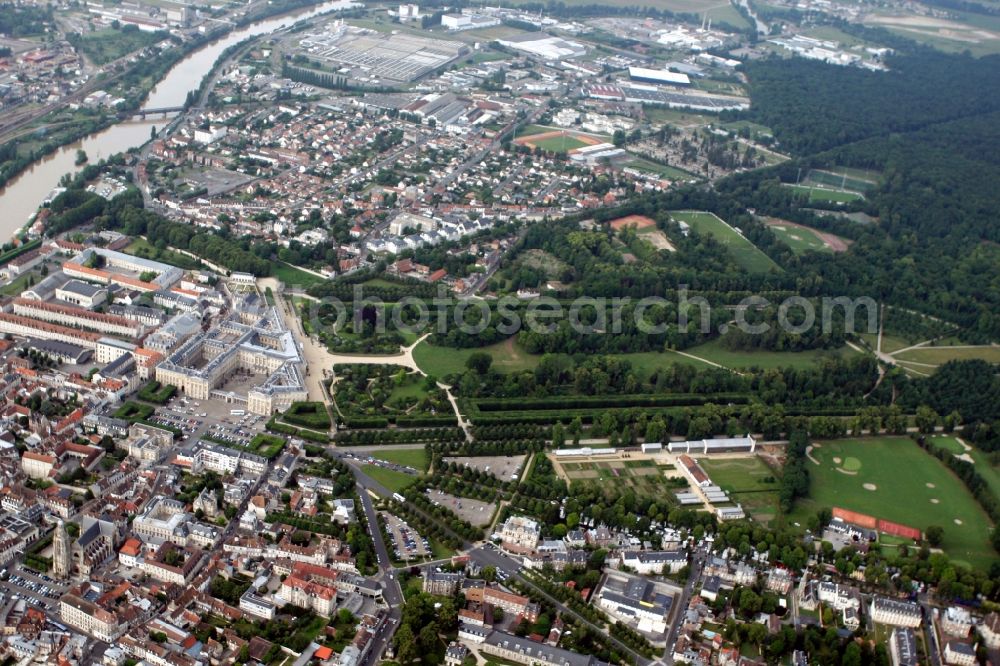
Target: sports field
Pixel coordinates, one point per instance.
(749, 482)
(801, 238)
(556, 140)
(894, 479)
(989, 472)
(826, 194)
(746, 254)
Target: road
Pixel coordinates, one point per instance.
(489, 556)
(391, 591)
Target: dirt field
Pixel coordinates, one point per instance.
(658, 240)
(474, 511)
(835, 243)
(936, 27)
(503, 467)
(637, 221)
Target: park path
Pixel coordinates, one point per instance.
(317, 356)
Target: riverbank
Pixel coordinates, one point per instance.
(170, 80)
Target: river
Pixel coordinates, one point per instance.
(22, 196)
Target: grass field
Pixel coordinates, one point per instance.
(560, 144)
(749, 482)
(890, 343)
(109, 44)
(415, 458)
(941, 355)
(746, 254)
(926, 494)
(799, 239)
(825, 194)
(508, 356)
(390, 478)
(293, 276)
(716, 352)
(989, 472)
(140, 247)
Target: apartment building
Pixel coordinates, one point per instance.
(895, 612)
(647, 562)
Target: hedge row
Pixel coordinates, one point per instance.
(608, 401)
(356, 437)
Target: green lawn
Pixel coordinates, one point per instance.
(799, 239)
(20, 284)
(826, 194)
(103, 46)
(890, 343)
(508, 356)
(294, 277)
(990, 474)
(940, 355)
(736, 475)
(714, 351)
(415, 458)
(749, 482)
(906, 498)
(140, 247)
(746, 254)
(390, 478)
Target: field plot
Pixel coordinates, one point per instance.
(472, 510)
(864, 475)
(644, 477)
(749, 482)
(801, 238)
(826, 194)
(746, 254)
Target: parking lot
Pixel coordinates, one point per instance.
(222, 421)
(505, 468)
(407, 543)
(472, 510)
(36, 588)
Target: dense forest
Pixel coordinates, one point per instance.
(930, 126)
(24, 20)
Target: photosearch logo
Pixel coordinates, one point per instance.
(587, 315)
